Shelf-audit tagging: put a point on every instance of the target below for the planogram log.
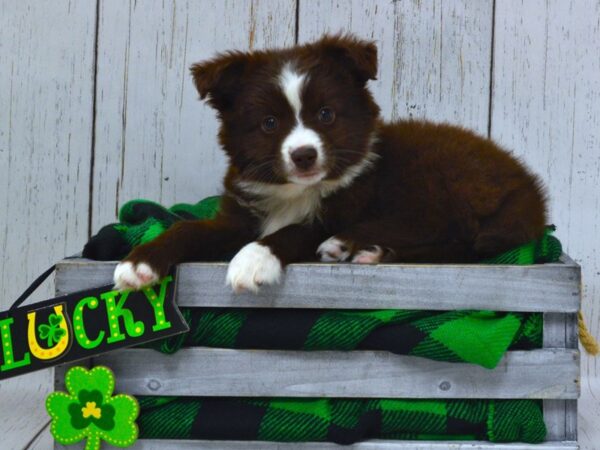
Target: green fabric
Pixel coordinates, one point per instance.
(340, 420)
(480, 337)
(141, 221)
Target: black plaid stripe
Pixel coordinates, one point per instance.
(287, 328)
(404, 336)
(227, 418)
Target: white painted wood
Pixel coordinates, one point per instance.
(46, 86)
(546, 107)
(588, 416)
(154, 139)
(200, 371)
(554, 331)
(571, 432)
(560, 416)
(22, 412)
(42, 440)
(561, 330)
(434, 56)
(167, 444)
(552, 287)
(555, 419)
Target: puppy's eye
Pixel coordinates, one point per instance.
(326, 115)
(270, 124)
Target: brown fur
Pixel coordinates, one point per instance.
(436, 193)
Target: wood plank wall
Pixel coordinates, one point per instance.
(97, 107)
(46, 103)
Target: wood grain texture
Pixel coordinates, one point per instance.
(46, 87)
(169, 444)
(560, 416)
(434, 56)
(154, 139)
(551, 287)
(435, 63)
(42, 439)
(546, 107)
(550, 373)
(45, 136)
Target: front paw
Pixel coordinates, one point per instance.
(253, 266)
(371, 255)
(334, 250)
(338, 249)
(130, 275)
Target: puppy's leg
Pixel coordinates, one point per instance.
(262, 262)
(190, 240)
(392, 239)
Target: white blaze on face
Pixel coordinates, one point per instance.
(292, 83)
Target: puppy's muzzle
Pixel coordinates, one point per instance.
(304, 158)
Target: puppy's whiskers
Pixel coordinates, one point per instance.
(255, 169)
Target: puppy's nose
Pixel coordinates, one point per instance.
(304, 157)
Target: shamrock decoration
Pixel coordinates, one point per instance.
(89, 410)
(52, 331)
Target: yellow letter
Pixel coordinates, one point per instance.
(61, 345)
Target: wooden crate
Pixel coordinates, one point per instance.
(550, 373)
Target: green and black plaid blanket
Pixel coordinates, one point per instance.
(340, 420)
(480, 337)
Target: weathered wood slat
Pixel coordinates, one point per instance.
(46, 92)
(560, 416)
(555, 410)
(545, 108)
(199, 371)
(552, 287)
(434, 56)
(170, 444)
(46, 115)
(555, 418)
(571, 419)
(154, 139)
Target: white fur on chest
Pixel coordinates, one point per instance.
(283, 205)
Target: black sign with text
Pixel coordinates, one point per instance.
(85, 324)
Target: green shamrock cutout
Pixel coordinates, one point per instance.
(52, 331)
(89, 410)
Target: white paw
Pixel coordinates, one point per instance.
(128, 276)
(333, 250)
(253, 266)
(371, 255)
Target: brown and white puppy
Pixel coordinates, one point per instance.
(314, 174)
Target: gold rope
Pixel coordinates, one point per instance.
(589, 342)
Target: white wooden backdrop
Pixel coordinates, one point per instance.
(97, 107)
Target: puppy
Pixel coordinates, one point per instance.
(315, 174)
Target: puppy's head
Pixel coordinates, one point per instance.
(300, 115)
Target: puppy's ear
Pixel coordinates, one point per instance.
(220, 78)
(359, 55)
